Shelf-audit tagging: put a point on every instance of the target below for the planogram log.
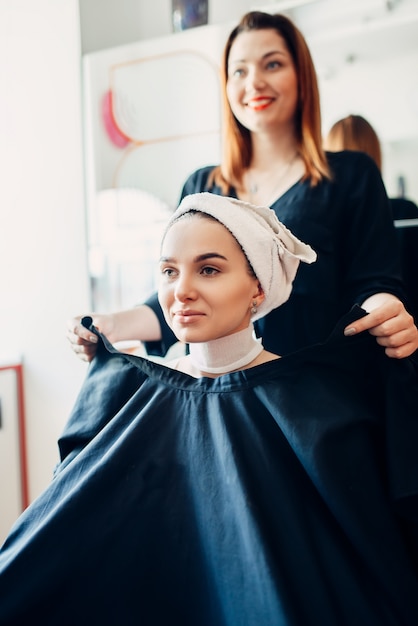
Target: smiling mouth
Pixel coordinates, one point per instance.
(258, 104)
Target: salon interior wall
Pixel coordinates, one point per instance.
(43, 278)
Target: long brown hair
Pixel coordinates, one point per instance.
(237, 148)
(354, 132)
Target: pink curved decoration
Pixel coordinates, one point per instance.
(116, 136)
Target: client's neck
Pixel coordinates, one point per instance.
(227, 354)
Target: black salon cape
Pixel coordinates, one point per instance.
(285, 494)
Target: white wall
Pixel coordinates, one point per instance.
(42, 231)
(383, 92)
(110, 23)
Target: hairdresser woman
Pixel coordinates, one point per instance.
(272, 155)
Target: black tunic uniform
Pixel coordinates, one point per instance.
(348, 222)
(281, 495)
(404, 210)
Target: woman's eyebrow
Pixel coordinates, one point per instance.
(209, 255)
(265, 56)
(197, 259)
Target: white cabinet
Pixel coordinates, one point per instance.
(13, 469)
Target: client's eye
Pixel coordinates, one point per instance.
(168, 272)
(209, 271)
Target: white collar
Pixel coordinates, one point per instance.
(226, 354)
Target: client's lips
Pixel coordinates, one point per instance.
(187, 315)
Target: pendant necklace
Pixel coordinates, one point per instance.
(253, 187)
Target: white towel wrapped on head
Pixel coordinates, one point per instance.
(272, 250)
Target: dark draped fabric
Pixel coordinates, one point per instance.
(281, 495)
(407, 235)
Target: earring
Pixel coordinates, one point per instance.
(254, 307)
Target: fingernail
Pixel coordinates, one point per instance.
(93, 338)
(350, 331)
